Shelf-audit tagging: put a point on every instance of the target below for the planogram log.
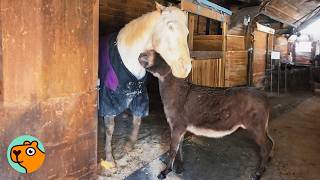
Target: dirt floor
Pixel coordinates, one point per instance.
(295, 127)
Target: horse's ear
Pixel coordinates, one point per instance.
(159, 7)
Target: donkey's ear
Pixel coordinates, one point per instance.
(159, 7)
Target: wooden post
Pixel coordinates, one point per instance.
(191, 30)
(224, 50)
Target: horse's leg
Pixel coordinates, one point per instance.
(109, 124)
(176, 137)
(134, 134)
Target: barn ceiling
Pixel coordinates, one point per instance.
(294, 12)
(290, 12)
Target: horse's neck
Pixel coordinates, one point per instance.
(134, 39)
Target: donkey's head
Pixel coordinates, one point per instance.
(154, 64)
(169, 39)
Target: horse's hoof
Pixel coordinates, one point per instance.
(107, 164)
(129, 147)
(162, 176)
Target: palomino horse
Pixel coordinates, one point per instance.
(164, 31)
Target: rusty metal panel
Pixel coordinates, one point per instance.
(1, 63)
(48, 68)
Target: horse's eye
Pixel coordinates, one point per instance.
(30, 151)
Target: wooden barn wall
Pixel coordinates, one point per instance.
(281, 45)
(214, 43)
(236, 68)
(207, 71)
(259, 58)
(200, 23)
(48, 74)
(115, 14)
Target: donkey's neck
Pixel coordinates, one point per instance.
(173, 91)
(135, 38)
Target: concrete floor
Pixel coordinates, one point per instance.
(295, 127)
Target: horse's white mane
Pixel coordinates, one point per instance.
(134, 30)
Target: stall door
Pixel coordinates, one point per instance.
(48, 73)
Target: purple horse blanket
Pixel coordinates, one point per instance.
(119, 88)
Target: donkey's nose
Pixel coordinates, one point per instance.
(16, 152)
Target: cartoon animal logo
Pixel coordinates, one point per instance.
(27, 155)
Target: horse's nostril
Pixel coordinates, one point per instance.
(16, 152)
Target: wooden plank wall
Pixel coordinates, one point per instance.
(236, 68)
(281, 45)
(115, 14)
(49, 70)
(235, 64)
(207, 43)
(200, 26)
(214, 43)
(259, 58)
(207, 72)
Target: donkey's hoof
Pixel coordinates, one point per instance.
(164, 158)
(162, 176)
(178, 169)
(256, 176)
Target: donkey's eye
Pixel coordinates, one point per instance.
(30, 151)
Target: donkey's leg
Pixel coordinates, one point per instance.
(109, 124)
(178, 163)
(266, 144)
(176, 137)
(134, 134)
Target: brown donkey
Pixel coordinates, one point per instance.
(208, 112)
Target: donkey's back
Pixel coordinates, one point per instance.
(216, 113)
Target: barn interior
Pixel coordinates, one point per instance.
(247, 52)
(49, 73)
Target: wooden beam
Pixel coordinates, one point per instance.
(196, 55)
(191, 30)
(224, 50)
(190, 7)
(265, 29)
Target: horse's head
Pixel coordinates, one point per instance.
(169, 39)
